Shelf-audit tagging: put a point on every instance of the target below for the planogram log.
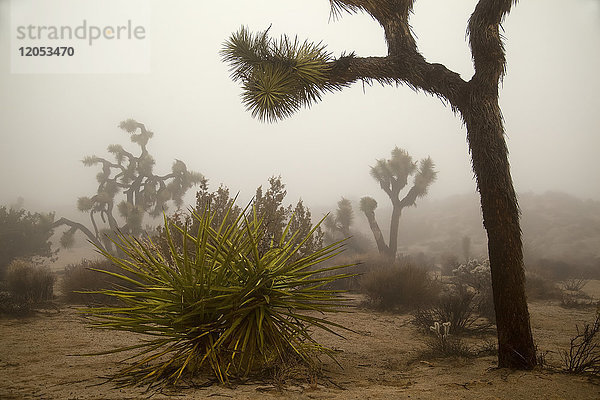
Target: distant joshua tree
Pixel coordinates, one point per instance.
(134, 178)
(392, 176)
(340, 222)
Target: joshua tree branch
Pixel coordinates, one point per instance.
(485, 40)
(94, 223)
(407, 67)
(82, 228)
(410, 198)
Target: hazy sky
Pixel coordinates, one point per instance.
(550, 101)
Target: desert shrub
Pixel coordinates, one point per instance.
(574, 284)
(576, 300)
(442, 344)
(11, 306)
(458, 306)
(398, 286)
(557, 270)
(81, 281)
(537, 287)
(221, 305)
(584, 350)
(449, 262)
(23, 235)
(28, 283)
(355, 269)
(268, 203)
(477, 275)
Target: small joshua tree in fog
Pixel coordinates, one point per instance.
(340, 222)
(133, 177)
(392, 175)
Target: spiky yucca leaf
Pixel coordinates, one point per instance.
(220, 304)
(278, 76)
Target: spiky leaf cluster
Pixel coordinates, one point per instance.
(367, 204)
(85, 204)
(218, 303)
(425, 176)
(67, 239)
(394, 171)
(277, 76)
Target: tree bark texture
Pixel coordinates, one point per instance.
(477, 102)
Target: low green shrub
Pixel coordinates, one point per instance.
(398, 287)
(223, 304)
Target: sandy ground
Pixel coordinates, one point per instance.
(382, 360)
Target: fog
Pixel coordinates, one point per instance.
(549, 98)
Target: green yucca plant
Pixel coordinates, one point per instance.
(221, 304)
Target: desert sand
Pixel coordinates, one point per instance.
(383, 358)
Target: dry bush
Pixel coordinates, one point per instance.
(355, 268)
(80, 278)
(562, 270)
(10, 306)
(457, 306)
(398, 287)
(25, 286)
(441, 343)
(449, 263)
(574, 284)
(584, 350)
(26, 282)
(539, 287)
(451, 346)
(476, 275)
(577, 300)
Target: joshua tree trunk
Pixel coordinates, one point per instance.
(394, 227)
(489, 156)
(381, 246)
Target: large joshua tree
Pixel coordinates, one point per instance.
(392, 175)
(280, 76)
(133, 177)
